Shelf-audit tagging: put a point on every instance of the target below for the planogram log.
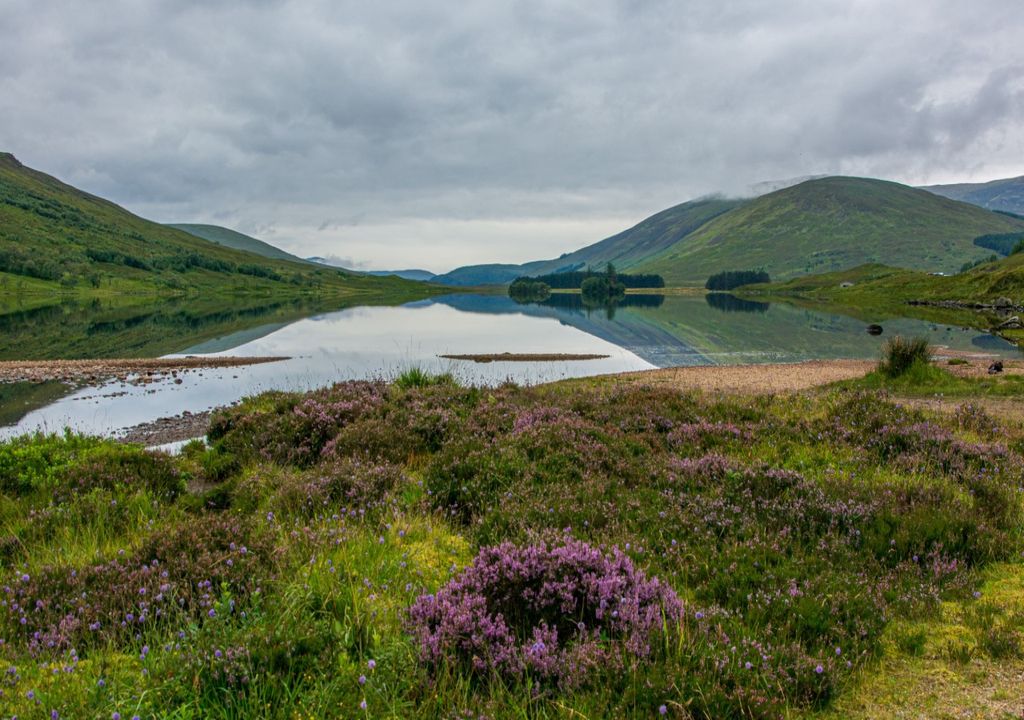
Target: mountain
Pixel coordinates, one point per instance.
(829, 224)
(625, 249)
(1005, 195)
(418, 275)
(232, 239)
(56, 239)
(472, 275)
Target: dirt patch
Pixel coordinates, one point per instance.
(523, 357)
(135, 371)
(764, 379)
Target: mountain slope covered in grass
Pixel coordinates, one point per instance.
(830, 224)
(1006, 195)
(233, 239)
(625, 249)
(56, 239)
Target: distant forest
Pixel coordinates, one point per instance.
(1002, 243)
(574, 280)
(730, 279)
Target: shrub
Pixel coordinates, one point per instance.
(172, 577)
(899, 354)
(121, 466)
(554, 612)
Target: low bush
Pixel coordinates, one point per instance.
(555, 612)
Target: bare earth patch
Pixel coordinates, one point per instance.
(754, 379)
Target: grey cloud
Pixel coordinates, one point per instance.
(324, 120)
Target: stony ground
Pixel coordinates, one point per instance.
(139, 371)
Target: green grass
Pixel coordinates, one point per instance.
(58, 241)
(238, 241)
(832, 224)
(802, 533)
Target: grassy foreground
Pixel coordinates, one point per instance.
(580, 550)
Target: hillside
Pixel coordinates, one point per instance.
(56, 239)
(233, 239)
(411, 274)
(496, 274)
(625, 249)
(1006, 195)
(830, 224)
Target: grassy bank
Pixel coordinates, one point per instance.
(653, 554)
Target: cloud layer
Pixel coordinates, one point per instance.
(404, 133)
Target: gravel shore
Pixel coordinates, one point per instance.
(754, 379)
(136, 371)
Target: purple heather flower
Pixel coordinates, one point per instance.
(362, 704)
(819, 669)
(662, 710)
(362, 679)
(371, 664)
(115, 715)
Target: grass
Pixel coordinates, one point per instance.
(826, 550)
(59, 242)
(900, 355)
(831, 224)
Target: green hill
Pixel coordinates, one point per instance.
(1006, 195)
(625, 249)
(58, 240)
(239, 241)
(830, 224)
(645, 239)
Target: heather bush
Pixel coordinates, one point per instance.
(172, 578)
(554, 612)
(292, 428)
(123, 466)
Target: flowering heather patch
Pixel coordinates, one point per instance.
(551, 611)
(171, 578)
(124, 467)
(342, 483)
(292, 428)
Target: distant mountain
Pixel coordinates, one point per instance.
(830, 224)
(625, 250)
(56, 240)
(418, 275)
(1006, 195)
(472, 275)
(232, 239)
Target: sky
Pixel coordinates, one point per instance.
(409, 133)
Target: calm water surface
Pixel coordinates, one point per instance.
(380, 342)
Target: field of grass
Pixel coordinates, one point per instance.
(578, 550)
(831, 224)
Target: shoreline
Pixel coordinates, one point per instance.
(139, 371)
(747, 379)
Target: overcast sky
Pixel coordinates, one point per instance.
(411, 133)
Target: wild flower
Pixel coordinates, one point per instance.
(553, 611)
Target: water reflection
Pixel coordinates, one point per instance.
(326, 345)
(730, 303)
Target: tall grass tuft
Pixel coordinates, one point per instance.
(899, 354)
(417, 377)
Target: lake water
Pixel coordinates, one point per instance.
(380, 342)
